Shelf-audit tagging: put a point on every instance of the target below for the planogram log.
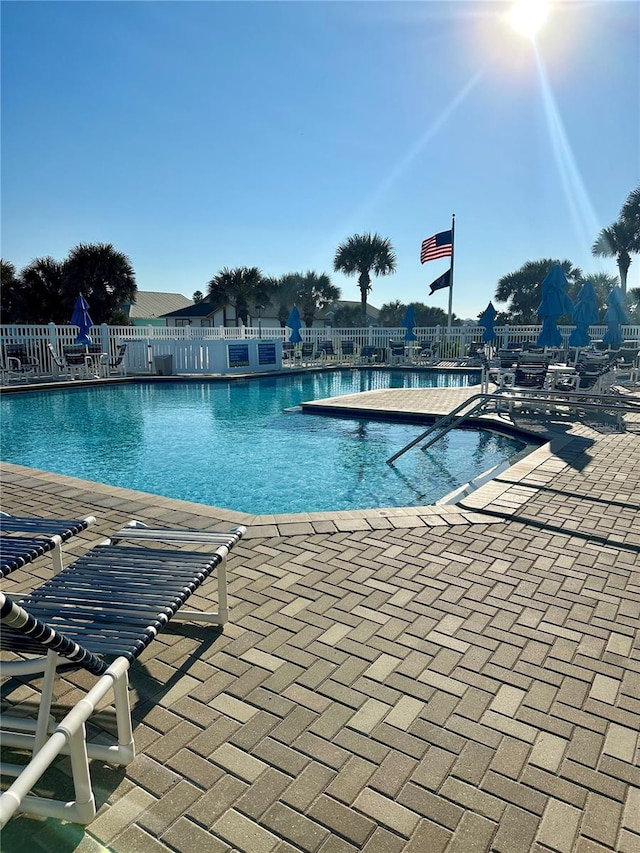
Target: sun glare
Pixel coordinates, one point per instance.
(528, 16)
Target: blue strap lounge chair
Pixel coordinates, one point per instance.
(100, 613)
(348, 351)
(41, 536)
(325, 350)
(369, 354)
(397, 352)
(307, 353)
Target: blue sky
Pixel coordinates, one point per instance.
(198, 135)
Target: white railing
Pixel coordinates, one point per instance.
(188, 345)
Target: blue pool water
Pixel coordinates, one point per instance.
(232, 444)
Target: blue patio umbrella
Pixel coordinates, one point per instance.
(409, 322)
(555, 302)
(613, 316)
(486, 319)
(295, 324)
(585, 314)
(82, 320)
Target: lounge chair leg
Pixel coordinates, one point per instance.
(221, 615)
(44, 711)
(84, 806)
(56, 554)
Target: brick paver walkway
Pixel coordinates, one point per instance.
(433, 680)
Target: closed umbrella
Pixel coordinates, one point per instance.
(486, 320)
(82, 320)
(555, 303)
(585, 314)
(409, 323)
(613, 317)
(295, 324)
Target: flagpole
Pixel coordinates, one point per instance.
(453, 248)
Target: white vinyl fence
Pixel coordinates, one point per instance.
(193, 351)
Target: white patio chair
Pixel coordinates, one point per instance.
(59, 366)
(117, 364)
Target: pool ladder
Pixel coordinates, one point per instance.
(487, 403)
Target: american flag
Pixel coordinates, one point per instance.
(438, 246)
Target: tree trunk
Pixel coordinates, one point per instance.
(365, 283)
(623, 267)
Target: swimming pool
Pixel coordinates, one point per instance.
(233, 445)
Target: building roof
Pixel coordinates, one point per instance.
(195, 309)
(372, 311)
(151, 303)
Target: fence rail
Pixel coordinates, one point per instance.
(146, 342)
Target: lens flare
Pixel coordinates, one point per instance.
(528, 16)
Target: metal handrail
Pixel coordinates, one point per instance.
(442, 422)
(606, 402)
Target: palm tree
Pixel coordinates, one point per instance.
(631, 213)
(521, 289)
(347, 317)
(104, 276)
(44, 293)
(362, 254)
(11, 296)
(427, 315)
(240, 287)
(617, 241)
(285, 295)
(315, 292)
(391, 314)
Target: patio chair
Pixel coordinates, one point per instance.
(10, 372)
(98, 614)
(531, 369)
(43, 535)
(368, 354)
(348, 351)
(325, 350)
(397, 353)
(20, 363)
(288, 351)
(427, 352)
(117, 364)
(99, 360)
(59, 366)
(307, 353)
(507, 358)
(78, 361)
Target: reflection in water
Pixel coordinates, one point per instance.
(231, 444)
(437, 454)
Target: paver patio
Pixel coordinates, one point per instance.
(429, 680)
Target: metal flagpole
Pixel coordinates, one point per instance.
(453, 243)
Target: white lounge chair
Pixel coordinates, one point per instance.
(22, 540)
(99, 613)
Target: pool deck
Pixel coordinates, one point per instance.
(448, 679)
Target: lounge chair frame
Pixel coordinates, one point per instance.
(110, 603)
(43, 535)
